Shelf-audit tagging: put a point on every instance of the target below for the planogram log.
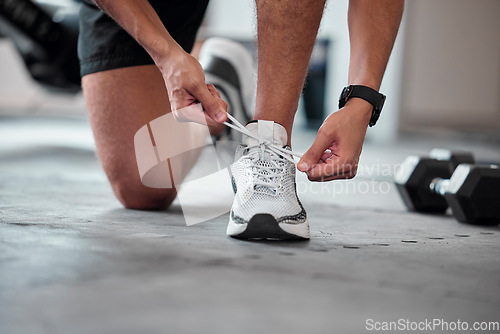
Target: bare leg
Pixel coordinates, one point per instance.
(286, 34)
(119, 103)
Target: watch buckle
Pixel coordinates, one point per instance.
(349, 92)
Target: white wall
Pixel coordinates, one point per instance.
(452, 66)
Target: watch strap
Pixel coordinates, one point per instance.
(368, 94)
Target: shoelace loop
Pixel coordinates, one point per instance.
(265, 144)
(264, 176)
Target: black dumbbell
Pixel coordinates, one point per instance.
(453, 158)
(416, 174)
(472, 192)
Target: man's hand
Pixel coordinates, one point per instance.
(335, 152)
(184, 78)
(373, 26)
(185, 82)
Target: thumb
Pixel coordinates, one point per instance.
(210, 104)
(315, 152)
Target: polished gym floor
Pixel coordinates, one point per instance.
(73, 261)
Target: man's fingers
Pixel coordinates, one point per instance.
(347, 175)
(222, 103)
(193, 113)
(311, 158)
(210, 104)
(326, 155)
(333, 168)
(210, 120)
(213, 90)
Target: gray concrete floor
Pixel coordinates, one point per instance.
(73, 261)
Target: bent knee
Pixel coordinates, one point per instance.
(139, 197)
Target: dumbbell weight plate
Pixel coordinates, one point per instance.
(413, 179)
(474, 194)
(454, 158)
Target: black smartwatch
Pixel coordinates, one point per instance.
(366, 93)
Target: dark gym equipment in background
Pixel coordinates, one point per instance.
(45, 33)
(314, 91)
(450, 179)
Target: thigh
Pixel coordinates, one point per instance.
(119, 103)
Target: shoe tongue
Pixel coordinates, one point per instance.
(268, 131)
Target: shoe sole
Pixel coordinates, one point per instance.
(264, 226)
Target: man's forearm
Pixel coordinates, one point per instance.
(140, 20)
(373, 27)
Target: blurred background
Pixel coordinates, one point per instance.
(443, 77)
(72, 260)
(442, 83)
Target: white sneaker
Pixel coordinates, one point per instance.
(266, 205)
(229, 66)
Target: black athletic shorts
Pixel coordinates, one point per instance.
(104, 45)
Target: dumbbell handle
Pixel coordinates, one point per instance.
(439, 185)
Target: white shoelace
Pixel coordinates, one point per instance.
(266, 176)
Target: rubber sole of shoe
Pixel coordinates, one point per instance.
(265, 227)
